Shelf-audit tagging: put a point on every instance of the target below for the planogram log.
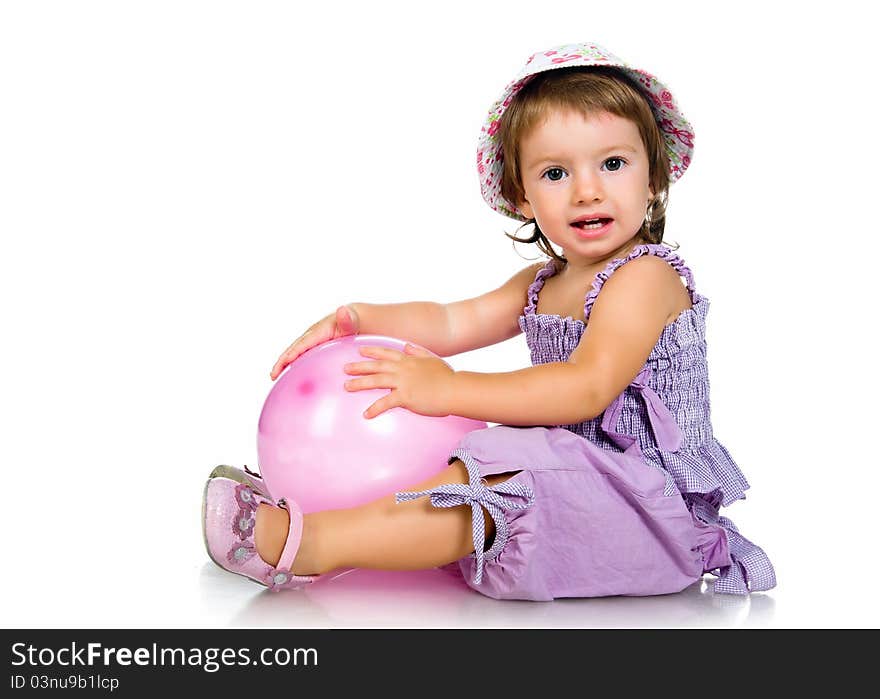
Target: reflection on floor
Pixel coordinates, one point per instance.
(439, 598)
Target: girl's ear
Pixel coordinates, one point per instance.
(526, 208)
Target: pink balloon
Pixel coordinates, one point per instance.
(315, 446)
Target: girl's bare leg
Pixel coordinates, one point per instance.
(381, 534)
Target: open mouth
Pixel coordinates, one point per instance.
(592, 224)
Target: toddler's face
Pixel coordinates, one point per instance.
(573, 167)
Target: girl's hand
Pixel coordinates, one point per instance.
(419, 380)
(343, 322)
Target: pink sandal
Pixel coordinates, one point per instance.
(229, 508)
(255, 480)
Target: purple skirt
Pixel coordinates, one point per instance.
(575, 521)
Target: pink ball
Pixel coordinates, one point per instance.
(315, 446)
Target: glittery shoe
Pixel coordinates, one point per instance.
(254, 480)
(229, 509)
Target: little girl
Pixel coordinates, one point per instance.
(602, 476)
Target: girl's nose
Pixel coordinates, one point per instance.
(587, 187)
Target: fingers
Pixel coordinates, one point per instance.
(304, 342)
(343, 322)
(357, 368)
(380, 406)
(417, 351)
(346, 321)
(278, 368)
(371, 381)
(381, 353)
(287, 356)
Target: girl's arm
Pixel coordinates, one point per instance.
(448, 329)
(625, 324)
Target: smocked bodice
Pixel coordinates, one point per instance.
(673, 386)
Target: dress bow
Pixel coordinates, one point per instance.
(508, 495)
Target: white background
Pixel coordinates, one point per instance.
(186, 186)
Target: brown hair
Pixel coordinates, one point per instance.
(588, 90)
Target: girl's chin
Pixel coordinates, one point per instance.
(597, 248)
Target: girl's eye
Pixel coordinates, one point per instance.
(618, 164)
(554, 177)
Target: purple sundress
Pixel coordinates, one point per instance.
(624, 504)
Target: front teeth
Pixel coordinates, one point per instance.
(598, 224)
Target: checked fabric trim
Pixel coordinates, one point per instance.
(508, 495)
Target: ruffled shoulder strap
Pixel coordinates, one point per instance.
(657, 250)
(543, 274)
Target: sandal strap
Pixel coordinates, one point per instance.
(294, 535)
(257, 483)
